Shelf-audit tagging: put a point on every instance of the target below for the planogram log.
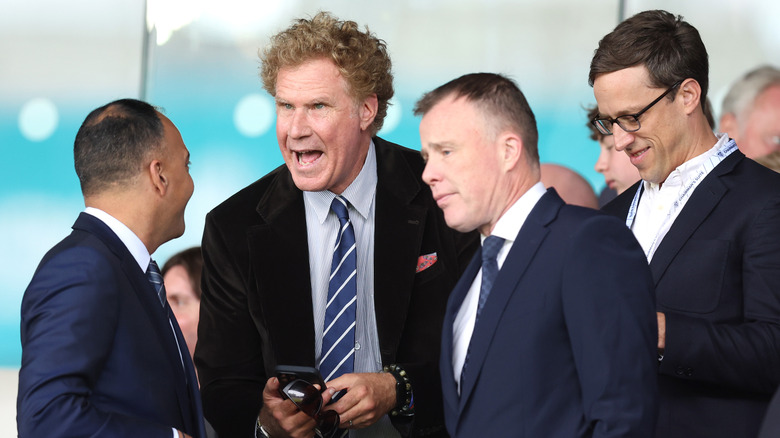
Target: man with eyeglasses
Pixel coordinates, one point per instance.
(708, 220)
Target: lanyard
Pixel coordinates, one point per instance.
(705, 168)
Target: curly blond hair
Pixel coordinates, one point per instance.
(361, 57)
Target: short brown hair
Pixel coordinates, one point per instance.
(670, 49)
(361, 57)
(593, 114)
(499, 98)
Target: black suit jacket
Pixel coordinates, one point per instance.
(98, 354)
(256, 310)
(717, 277)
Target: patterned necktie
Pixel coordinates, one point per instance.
(156, 278)
(338, 337)
(490, 248)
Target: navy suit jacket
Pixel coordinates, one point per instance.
(565, 345)
(98, 354)
(256, 310)
(717, 280)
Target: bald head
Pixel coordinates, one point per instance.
(570, 185)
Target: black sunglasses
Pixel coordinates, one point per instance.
(308, 399)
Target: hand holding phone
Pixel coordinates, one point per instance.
(288, 373)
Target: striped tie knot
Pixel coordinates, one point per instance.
(156, 278)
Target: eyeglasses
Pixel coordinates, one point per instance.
(628, 122)
(308, 399)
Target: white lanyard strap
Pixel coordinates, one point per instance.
(704, 169)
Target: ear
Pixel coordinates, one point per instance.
(367, 111)
(512, 149)
(728, 125)
(690, 90)
(158, 179)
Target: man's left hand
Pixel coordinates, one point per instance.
(369, 397)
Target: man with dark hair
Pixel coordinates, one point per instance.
(709, 222)
(274, 275)
(551, 330)
(101, 353)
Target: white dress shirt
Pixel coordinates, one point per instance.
(657, 211)
(506, 228)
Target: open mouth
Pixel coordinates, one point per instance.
(306, 158)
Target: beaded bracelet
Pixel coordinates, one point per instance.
(404, 396)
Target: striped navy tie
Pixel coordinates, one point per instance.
(338, 337)
(156, 278)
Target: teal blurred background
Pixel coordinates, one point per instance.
(198, 60)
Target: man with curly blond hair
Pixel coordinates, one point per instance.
(275, 281)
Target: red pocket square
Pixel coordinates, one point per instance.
(426, 261)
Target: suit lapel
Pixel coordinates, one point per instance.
(701, 203)
(398, 231)
(280, 255)
(524, 248)
(192, 411)
(449, 387)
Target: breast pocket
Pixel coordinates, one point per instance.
(694, 280)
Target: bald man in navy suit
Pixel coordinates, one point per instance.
(102, 354)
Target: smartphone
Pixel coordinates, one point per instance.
(288, 373)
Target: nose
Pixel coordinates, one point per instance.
(601, 163)
(298, 125)
(430, 175)
(622, 138)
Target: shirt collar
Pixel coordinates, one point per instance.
(689, 169)
(508, 226)
(360, 193)
(131, 241)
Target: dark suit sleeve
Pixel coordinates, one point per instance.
(69, 317)
(609, 310)
(228, 355)
(741, 352)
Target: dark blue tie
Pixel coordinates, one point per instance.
(490, 248)
(156, 278)
(338, 337)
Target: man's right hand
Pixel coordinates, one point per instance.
(280, 417)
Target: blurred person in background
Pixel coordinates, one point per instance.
(751, 112)
(572, 187)
(182, 275)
